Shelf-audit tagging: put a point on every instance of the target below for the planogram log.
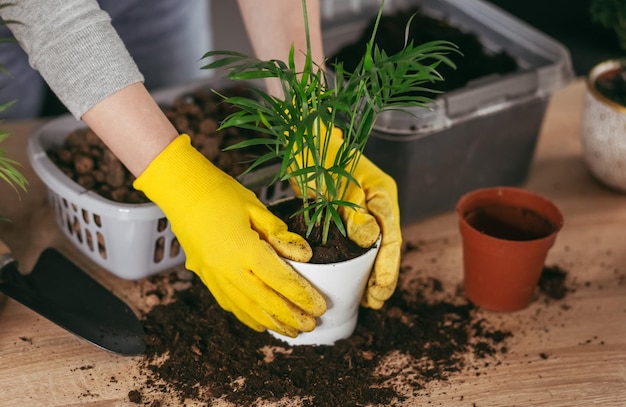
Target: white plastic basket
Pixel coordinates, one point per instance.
(132, 241)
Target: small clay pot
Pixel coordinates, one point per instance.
(507, 233)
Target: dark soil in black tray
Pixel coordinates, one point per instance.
(476, 61)
(198, 352)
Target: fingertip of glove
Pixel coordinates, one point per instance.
(298, 321)
(312, 305)
(319, 306)
(370, 302)
(249, 322)
(296, 251)
(291, 246)
(285, 330)
(308, 324)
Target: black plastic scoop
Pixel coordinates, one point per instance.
(63, 293)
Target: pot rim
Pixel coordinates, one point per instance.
(491, 194)
(596, 71)
(376, 246)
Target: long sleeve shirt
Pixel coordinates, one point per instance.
(74, 47)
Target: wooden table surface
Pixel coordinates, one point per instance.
(567, 354)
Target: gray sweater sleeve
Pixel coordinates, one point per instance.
(75, 48)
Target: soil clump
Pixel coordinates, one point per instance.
(552, 282)
(200, 353)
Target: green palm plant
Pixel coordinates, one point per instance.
(298, 126)
(9, 168)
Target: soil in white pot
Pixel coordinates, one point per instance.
(476, 61)
(338, 247)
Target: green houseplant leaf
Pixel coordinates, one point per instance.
(315, 100)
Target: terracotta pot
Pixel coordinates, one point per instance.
(342, 285)
(507, 233)
(603, 127)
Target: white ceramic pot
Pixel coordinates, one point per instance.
(342, 285)
(604, 131)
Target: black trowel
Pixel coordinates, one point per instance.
(63, 293)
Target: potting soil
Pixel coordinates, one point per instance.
(200, 353)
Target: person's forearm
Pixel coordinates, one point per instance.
(273, 26)
(132, 125)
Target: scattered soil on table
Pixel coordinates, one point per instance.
(476, 62)
(197, 352)
(134, 397)
(200, 352)
(89, 162)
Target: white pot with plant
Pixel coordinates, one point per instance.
(318, 130)
(604, 113)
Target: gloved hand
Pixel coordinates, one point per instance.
(232, 241)
(379, 212)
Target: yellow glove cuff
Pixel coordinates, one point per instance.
(179, 163)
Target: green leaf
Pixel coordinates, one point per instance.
(350, 101)
(251, 143)
(336, 218)
(260, 162)
(10, 174)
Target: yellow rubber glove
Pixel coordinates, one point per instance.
(379, 213)
(232, 241)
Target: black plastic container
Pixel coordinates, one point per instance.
(483, 134)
